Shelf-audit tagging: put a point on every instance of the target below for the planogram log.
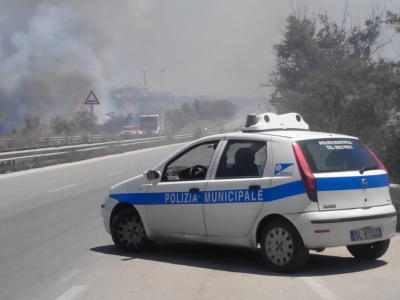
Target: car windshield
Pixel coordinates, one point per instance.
(130, 127)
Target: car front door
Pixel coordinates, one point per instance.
(182, 185)
(237, 189)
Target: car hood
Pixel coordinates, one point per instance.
(131, 185)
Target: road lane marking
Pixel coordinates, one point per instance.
(67, 277)
(319, 288)
(73, 292)
(63, 188)
(114, 173)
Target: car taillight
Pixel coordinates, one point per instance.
(375, 157)
(306, 174)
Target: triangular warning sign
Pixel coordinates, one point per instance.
(91, 99)
(276, 97)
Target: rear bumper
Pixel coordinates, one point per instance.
(339, 223)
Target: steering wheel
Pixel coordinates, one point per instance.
(197, 171)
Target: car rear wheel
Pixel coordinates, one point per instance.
(369, 251)
(282, 247)
(127, 231)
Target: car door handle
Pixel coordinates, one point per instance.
(254, 187)
(194, 190)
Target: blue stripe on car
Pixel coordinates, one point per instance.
(351, 183)
(213, 197)
(241, 196)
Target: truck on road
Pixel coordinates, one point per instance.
(149, 125)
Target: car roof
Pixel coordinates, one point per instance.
(294, 135)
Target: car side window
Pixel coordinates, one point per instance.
(192, 164)
(242, 159)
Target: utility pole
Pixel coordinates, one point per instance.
(163, 80)
(144, 77)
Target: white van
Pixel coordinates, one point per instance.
(275, 185)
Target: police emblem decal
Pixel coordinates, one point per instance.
(285, 169)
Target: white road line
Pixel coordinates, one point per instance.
(319, 288)
(114, 173)
(63, 188)
(68, 277)
(73, 292)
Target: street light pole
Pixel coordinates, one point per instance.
(163, 80)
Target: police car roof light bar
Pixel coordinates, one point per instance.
(272, 121)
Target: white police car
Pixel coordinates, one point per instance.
(275, 184)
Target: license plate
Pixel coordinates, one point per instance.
(367, 233)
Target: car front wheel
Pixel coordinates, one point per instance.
(369, 251)
(282, 247)
(127, 231)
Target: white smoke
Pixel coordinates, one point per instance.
(51, 59)
(53, 52)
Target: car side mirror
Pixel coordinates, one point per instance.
(152, 175)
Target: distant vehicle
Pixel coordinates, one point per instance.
(149, 124)
(276, 185)
(130, 131)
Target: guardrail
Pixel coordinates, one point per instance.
(18, 143)
(34, 158)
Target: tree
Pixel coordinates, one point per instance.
(59, 125)
(393, 19)
(31, 124)
(333, 76)
(190, 113)
(115, 122)
(84, 121)
(2, 122)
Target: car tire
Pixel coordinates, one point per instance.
(369, 251)
(127, 231)
(282, 247)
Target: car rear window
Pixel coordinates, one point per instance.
(337, 155)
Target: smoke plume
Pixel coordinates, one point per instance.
(51, 56)
(53, 52)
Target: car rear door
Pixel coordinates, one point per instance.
(237, 188)
(347, 175)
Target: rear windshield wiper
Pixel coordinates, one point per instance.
(366, 168)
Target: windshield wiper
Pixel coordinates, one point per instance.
(366, 168)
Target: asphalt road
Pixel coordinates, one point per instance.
(53, 246)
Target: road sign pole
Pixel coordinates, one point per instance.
(92, 119)
(92, 112)
(92, 100)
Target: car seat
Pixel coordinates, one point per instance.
(244, 163)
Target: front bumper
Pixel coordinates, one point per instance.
(106, 210)
(334, 226)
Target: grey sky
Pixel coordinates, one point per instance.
(221, 47)
(53, 52)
